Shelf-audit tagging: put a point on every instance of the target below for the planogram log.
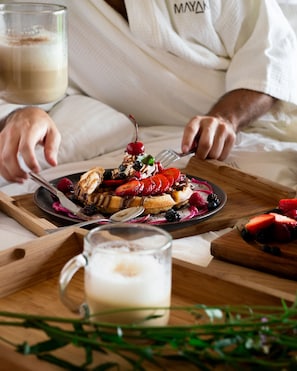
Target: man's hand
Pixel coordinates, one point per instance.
(23, 130)
(213, 135)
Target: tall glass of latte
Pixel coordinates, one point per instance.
(33, 52)
(127, 274)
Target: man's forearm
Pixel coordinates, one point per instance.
(242, 106)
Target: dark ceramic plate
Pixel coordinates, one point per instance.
(44, 200)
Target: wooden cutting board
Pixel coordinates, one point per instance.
(232, 248)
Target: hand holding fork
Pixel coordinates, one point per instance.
(167, 156)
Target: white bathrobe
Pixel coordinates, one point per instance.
(174, 60)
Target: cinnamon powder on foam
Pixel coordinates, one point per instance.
(28, 41)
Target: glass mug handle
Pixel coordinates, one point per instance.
(66, 275)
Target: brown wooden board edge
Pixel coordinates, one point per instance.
(28, 220)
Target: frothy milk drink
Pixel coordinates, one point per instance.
(122, 281)
(33, 69)
(127, 275)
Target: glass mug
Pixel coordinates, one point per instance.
(33, 52)
(125, 266)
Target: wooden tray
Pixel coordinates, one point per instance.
(23, 210)
(246, 195)
(29, 281)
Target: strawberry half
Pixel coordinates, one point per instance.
(259, 222)
(283, 228)
(131, 188)
(283, 219)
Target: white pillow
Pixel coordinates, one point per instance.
(89, 128)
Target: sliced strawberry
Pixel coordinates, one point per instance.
(172, 172)
(165, 184)
(148, 186)
(255, 224)
(157, 184)
(131, 188)
(287, 204)
(113, 182)
(283, 219)
(170, 178)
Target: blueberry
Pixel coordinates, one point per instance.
(107, 174)
(137, 165)
(213, 197)
(122, 168)
(264, 235)
(213, 201)
(90, 209)
(172, 215)
(273, 250)
(246, 235)
(276, 211)
(121, 176)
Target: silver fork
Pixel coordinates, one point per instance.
(168, 156)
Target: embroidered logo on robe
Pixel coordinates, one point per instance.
(196, 7)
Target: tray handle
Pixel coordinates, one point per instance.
(12, 255)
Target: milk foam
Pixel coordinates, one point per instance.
(44, 51)
(118, 281)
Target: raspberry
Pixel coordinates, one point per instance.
(65, 185)
(197, 200)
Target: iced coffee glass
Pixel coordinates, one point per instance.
(126, 266)
(33, 52)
